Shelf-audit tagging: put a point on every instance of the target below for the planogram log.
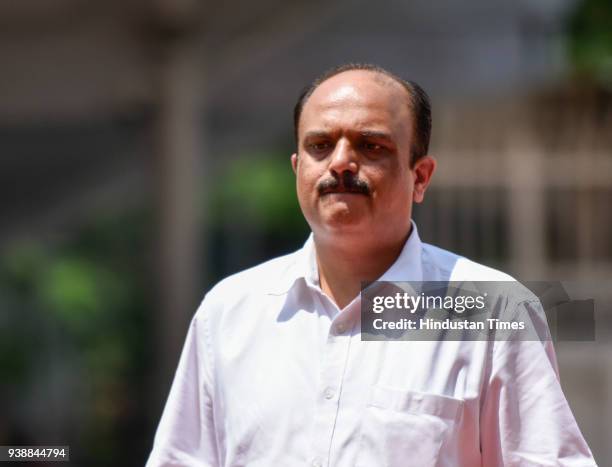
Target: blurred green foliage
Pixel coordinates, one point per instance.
(254, 213)
(258, 189)
(590, 40)
(80, 309)
(76, 307)
(79, 291)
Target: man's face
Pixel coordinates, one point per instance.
(352, 167)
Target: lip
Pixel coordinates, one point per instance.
(342, 192)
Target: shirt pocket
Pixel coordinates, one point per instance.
(405, 428)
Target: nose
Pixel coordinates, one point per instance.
(343, 159)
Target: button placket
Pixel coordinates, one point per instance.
(334, 357)
(316, 462)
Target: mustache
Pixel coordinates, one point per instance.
(348, 182)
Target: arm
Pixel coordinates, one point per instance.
(525, 418)
(186, 433)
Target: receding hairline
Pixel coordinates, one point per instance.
(381, 77)
(419, 105)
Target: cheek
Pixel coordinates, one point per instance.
(395, 191)
(307, 178)
(306, 182)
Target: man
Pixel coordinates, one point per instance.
(274, 371)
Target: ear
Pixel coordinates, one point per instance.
(294, 162)
(423, 170)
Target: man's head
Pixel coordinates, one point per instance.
(361, 160)
(417, 99)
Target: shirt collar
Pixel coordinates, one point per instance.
(407, 266)
(302, 268)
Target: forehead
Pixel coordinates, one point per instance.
(358, 99)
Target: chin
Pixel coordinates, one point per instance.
(345, 222)
(339, 218)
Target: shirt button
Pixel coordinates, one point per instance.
(317, 463)
(329, 393)
(340, 328)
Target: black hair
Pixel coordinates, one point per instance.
(419, 104)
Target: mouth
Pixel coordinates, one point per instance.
(342, 192)
(348, 184)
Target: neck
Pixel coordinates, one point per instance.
(344, 265)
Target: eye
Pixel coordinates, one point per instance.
(320, 146)
(372, 147)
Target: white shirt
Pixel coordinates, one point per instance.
(274, 374)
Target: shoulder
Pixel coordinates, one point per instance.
(440, 264)
(237, 305)
(256, 281)
(444, 265)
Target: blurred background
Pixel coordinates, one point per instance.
(144, 155)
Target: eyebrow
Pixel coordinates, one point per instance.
(364, 134)
(376, 135)
(317, 134)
